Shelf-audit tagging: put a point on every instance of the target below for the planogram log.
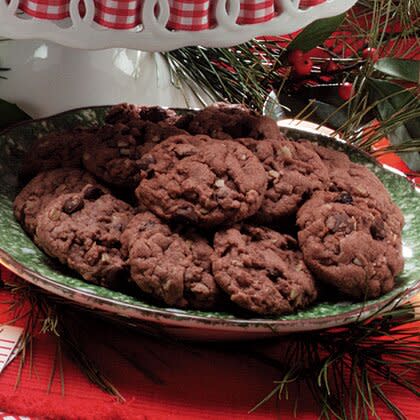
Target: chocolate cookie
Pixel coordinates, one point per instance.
(42, 189)
(173, 267)
(160, 159)
(262, 270)
(224, 121)
(83, 230)
(351, 245)
(294, 172)
(124, 113)
(207, 182)
(344, 175)
(115, 153)
(361, 182)
(56, 150)
(334, 160)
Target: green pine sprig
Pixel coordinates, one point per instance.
(348, 369)
(248, 73)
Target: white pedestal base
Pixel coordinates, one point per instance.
(46, 78)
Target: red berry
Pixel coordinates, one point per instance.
(330, 67)
(295, 56)
(370, 54)
(303, 67)
(345, 91)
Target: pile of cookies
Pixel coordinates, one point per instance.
(210, 207)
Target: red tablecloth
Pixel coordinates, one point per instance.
(190, 383)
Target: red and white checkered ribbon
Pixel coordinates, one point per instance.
(46, 9)
(186, 15)
(190, 15)
(256, 11)
(4, 416)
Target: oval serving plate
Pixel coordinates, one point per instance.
(20, 255)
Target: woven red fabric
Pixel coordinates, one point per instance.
(305, 4)
(46, 9)
(186, 15)
(172, 381)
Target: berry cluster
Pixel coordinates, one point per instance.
(302, 67)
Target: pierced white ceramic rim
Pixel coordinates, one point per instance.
(152, 35)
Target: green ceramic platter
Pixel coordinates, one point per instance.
(20, 255)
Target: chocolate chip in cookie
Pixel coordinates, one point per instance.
(46, 186)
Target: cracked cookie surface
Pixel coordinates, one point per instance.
(203, 181)
(115, 153)
(173, 266)
(262, 270)
(293, 171)
(45, 187)
(356, 179)
(83, 230)
(351, 245)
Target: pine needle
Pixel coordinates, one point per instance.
(249, 72)
(346, 381)
(53, 369)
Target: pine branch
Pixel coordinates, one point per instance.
(346, 368)
(45, 316)
(249, 72)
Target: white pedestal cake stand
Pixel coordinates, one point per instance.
(152, 34)
(49, 77)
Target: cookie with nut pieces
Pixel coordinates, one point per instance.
(293, 171)
(43, 188)
(262, 270)
(350, 245)
(226, 121)
(171, 264)
(61, 149)
(83, 230)
(115, 153)
(196, 179)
